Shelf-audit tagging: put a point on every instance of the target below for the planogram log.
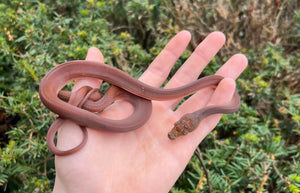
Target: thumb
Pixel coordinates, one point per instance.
(71, 135)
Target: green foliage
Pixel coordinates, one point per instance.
(254, 150)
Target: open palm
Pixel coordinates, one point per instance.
(145, 160)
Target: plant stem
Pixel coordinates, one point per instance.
(199, 156)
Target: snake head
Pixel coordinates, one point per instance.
(186, 124)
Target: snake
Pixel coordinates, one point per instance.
(83, 106)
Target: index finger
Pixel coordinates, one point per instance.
(159, 69)
(94, 54)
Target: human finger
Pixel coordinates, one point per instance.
(222, 95)
(71, 134)
(231, 69)
(195, 64)
(160, 68)
(234, 66)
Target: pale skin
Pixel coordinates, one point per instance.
(145, 160)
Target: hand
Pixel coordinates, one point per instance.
(145, 160)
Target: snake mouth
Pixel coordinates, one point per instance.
(177, 131)
(171, 136)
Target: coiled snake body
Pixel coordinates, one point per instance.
(81, 105)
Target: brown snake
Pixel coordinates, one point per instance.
(82, 105)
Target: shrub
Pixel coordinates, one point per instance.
(254, 150)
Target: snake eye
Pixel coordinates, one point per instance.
(178, 128)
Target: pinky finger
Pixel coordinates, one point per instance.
(222, 95)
